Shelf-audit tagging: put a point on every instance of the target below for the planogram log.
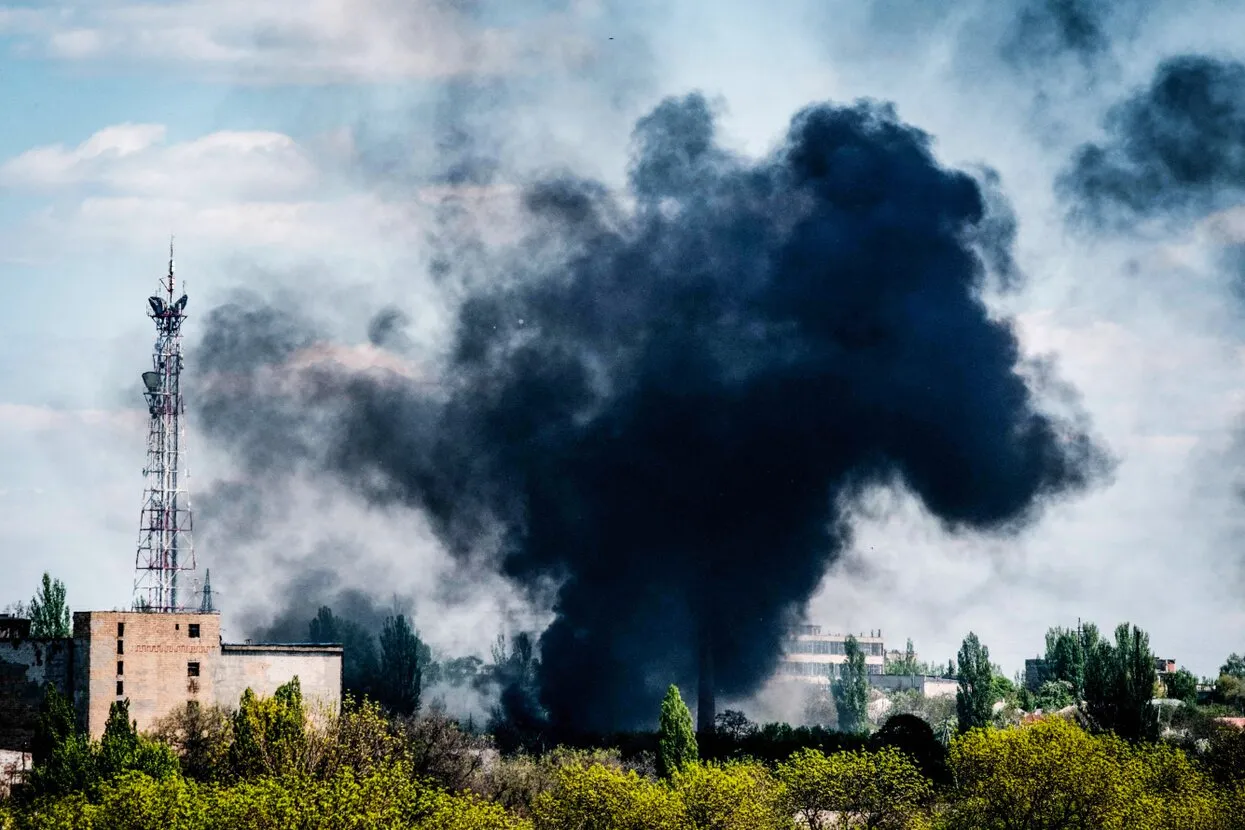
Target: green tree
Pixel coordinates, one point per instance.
(905, 665)
(122, 749)
(269, 734)
(1183, 687)
(56, 724)
(200, 736)
(974, 700)
(401, 664)
(738, 795)
(1065, 658)
(1052, 775)
(360, 664)
(1054, 695)
(882, 789)
(1119, 684)
(676, 737)
(1234, 666)
(64, 760)
(49, 615)
(851, 689)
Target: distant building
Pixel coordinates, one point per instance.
(158, 662)
(1164, 665)
(814, 657)
(1036, 673)
(926, 685)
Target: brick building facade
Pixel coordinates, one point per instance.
(158, 662)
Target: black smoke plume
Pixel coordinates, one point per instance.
(1086, 29)
(1173, 149)
(667, 397)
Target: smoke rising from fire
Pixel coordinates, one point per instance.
(664, 398)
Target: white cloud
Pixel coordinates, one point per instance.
(135, 159)
(284, 40)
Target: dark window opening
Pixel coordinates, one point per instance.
(177, 626)
(120, 668)
(120, 629)
(194, 629)
(120, 646)
(192, 669)
(120, 688)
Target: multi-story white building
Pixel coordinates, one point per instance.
(815, 657)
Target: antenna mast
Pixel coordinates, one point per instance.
(165, 545)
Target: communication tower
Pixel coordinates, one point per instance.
(165, 543)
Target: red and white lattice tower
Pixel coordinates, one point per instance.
(165, 544)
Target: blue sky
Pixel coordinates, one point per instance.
(243, 128)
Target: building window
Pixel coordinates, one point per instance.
(120, 646)
(177, 626)
(120, 629)
(194, 629)
(120, 689)
(192, 669)
(120, 668)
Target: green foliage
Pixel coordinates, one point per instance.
(1182, 686)
(200, 736)
(602, 798)
(122, 749)
(974, 699)
(387, 798)
(49, 615)
(71, 763)
(905, 665)
(55, 724)
(1065, 659)
(676, 741)
(402, 659)
(1119, 684)
(731, 796)
(269, 734)
(882, 789)
(515, 783)
(1001, 688)
(1054, 695)
(915, 738)
(1234, 666)
(851, 689)
(1052, 774)
(1224, 758)
(1230, 692)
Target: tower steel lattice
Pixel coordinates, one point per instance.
(165, 542)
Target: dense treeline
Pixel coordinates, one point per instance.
(1111, 757)
(271, 764)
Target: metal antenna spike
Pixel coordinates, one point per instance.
(170, 267)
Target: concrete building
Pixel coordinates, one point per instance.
(814, 657)
(158, 662)
(927, 686)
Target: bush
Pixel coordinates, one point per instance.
(732, 796)
(1053, 774)
(515, 783)
(603, 798)
(882, 789)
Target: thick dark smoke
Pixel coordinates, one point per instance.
(1043, 29)
(668, 396)
(1175, 148)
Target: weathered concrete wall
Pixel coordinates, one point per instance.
(13, 768)
(26, 666)
(928, 686)
(262, 668)
(149, 656)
